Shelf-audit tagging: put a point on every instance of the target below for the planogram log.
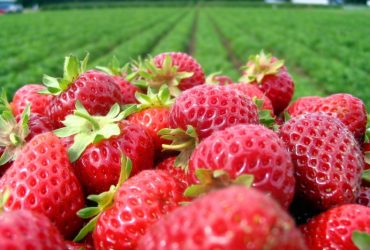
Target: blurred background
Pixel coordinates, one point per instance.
(325, 43)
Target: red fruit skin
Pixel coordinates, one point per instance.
(28, 94)
(168, 165)
(364, 197)
(184, 63)
(231, 218)
(210, 108)
(70, 245)
(153, 120)
(302, 105)
(140, 201)
(252, 91)
(99, 166)
(96, 91)
(24, 229)
(128, 90)
(347, 108)
(333, 229)
(222, 80)
(327, 158)
(38, 124)
(41, 179)
(248, 149)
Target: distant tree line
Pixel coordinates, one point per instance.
(43, 2)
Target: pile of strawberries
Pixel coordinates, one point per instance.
(153, 155)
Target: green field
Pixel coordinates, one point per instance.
(326, 50)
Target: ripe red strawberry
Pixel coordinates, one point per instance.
(216, 78)
(98, 144)
(364, 197)
(70, 245)
(153, 114)
(302, 105)
(41, 179)
(29, 94)
(97, 91)
(126, 211)
(232, 218)
(248, 149)
(347, 108)
(210, 108)
(333, 229)
(178, 70)
(271, 77)
(119, 72)
(253, 92)
(168, 165)
(24, 229)
(327, 158)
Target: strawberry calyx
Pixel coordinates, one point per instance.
(153, 99)
(103, 200)
(13, 134)
(183, 141)
(114, 68)
(366, 175)
(88, 129)
(215, 179)
(150, 75)
(4, 198)
(265, 115)
(259, 66)
(73, 68)
(367, 132)
(361, 240)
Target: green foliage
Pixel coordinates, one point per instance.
(326, 50)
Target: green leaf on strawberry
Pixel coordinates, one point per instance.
(114, 68)
(182, 141)
(154, 98)
(73, 68)
(152, 76)
(264, 115)
(215, 179)
(366, 175)
(89, 129)
(12, 133)
(260, 66)
(361, 240)
(103, 200)
(367, 132)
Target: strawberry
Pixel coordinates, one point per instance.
(253, 92)
(218, 79)
(41, 179)
(178, 70)
(364, 197)
(248, 149)
(16, 131)
(334, 228)
(210, 108)
(327, 159)
(127, 210)
(168, 165)
(97, 91)
(119, 73)
(70, 245)
(24, 229)
(153, 114)
(271, 76)
(29, 94)
(231, 218)
(98, 143)
(200, 111)
(302, 105)
(347, 108)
